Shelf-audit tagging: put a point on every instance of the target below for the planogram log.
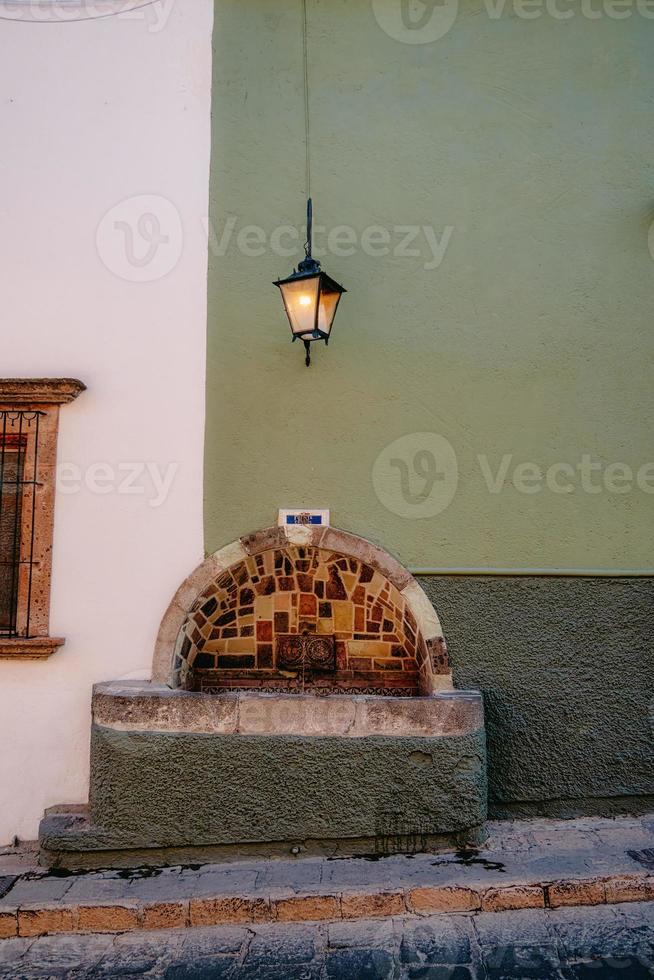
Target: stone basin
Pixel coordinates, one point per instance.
(148, 706)
(181, 776)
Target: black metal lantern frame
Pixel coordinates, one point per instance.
(310, 296)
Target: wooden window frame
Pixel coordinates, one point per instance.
(43, 396)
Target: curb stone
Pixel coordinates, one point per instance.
(130, 915)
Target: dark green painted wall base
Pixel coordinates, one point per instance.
(153, 790)
(612, 806)
(187, 788)
(566, 667)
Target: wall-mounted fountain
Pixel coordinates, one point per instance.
(301, 701)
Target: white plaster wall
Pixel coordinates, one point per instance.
(92, 113)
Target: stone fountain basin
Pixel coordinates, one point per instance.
(151, 706)
(179, 776)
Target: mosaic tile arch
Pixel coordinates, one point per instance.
(302, 609)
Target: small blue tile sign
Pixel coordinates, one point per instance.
(319, 518)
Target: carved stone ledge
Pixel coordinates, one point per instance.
(32, 648)
(40, 391)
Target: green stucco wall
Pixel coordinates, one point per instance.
(531, 140)
(153, 790)
(231, 789)
(492, 411)
(566, 667)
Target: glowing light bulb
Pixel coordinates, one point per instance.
(305, 300)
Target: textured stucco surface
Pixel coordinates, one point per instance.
(170, 790)
(99, 113)
(530, 137)
(566, 667)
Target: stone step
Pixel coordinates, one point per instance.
(529, 864)
(127, 915)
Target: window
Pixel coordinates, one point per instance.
(17, 499)
(29, 416)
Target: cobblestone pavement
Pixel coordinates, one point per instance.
(599, 943)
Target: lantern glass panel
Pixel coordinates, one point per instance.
(301, 299)
(329, 297)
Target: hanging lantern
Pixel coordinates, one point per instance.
(310, 297)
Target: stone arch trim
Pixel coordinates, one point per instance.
(435, 672)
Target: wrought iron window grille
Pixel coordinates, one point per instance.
(19, 485)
